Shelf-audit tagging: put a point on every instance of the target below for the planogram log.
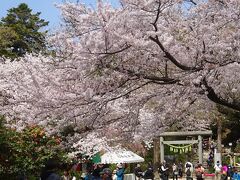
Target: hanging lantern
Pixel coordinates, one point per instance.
(181, 151)
(190, 148)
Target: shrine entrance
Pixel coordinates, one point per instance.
(186, 145)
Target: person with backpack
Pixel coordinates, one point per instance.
(163, 171)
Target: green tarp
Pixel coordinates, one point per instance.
(96, 158)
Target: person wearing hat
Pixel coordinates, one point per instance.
(106, 174)
(120, 172)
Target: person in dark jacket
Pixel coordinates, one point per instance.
(180, 169)
(138, 172)
(148, 174)
(163, 171)
(97, 169)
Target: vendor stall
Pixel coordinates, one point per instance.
(120, 156)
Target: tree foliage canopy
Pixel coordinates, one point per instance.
(23, 34)
(136, 70)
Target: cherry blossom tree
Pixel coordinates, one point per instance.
(130, 72)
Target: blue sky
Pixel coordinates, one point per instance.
(48, 11)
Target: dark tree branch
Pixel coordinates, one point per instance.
(167, 54)
(157, 17)
(191, 1)
(215, 98)
(204, 47)
(127, 93)
(155, 79)
(115, 52)
(173, 59)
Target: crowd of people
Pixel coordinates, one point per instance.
(97, 172)
(141, 174)
(164, 171)
(103, 172)
(222, 172)
(175, 171)
(225, 172)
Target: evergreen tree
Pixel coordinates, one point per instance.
(23, 28)
(7, 37)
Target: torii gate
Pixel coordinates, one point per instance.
(187, 133)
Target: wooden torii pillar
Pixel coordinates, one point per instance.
(199, 134)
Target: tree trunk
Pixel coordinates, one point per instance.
(156, 150)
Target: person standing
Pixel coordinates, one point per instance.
(97, 169)
(163, 171)
(106, 174)
(138, 172)
(230, 171)
(66, 175)
(188, 171)
(88, 175)
(199, 171)
(217, 168)
(120, 172)
(114, 176)
(180, 169)
(175, 171)
(190, 165)
(148, 174)
(235, 173)
(224, 172)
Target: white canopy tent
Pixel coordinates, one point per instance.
(120, 156)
